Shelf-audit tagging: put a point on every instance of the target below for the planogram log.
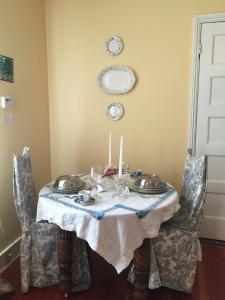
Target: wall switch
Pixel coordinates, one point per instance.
(6, 102)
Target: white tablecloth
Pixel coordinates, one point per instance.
(113, 228)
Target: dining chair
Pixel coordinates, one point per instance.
(38, 253)
(6, 287)
(176, 250)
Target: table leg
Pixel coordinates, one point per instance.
(65, 261)
(141, 270)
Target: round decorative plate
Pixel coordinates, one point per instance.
(114, 45)
(115, 111)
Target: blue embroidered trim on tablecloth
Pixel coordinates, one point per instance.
(98, 215)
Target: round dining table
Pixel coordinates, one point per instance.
(119, 228)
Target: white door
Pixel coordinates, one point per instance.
(210, 135)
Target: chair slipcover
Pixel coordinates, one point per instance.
(6, 287)
(176, 250)
(39, 263)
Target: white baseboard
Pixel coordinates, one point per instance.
(9, 254)
(213, 228)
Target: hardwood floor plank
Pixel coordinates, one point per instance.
(214, 259)
(107, 285)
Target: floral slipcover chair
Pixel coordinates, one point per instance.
(38, 254)
(176, 250)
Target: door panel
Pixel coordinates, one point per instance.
(210, 136)
(215, 205)
(218, 48)
(216, 168)
(217, 90)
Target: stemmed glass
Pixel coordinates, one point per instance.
(96, 179)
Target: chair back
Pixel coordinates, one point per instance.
(25, 198)
(193, 191)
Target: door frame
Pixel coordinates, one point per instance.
(196, 51)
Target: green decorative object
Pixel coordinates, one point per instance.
(6, 68)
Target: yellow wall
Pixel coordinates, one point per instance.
(157, 39)
(22, 36)
(157, 46)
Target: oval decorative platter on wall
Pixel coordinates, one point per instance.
(116, 80)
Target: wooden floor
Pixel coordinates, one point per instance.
(107, 285)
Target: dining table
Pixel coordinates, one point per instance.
(119, 227)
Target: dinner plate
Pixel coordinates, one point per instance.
(134, 188)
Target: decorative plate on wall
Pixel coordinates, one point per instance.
(114, 45)
(115, 111)
(116, 80)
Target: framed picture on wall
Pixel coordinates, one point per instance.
(6, 68)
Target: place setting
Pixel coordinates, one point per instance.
(110, 181)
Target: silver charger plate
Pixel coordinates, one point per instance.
(86, 186)
(134, 188)
(162, 187)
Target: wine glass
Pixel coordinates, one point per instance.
(96, 179)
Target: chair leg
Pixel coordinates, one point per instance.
(65, 261)
(25, 262)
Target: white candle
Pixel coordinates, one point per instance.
(92, 172)
(121, 157)
(110, 151)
